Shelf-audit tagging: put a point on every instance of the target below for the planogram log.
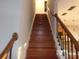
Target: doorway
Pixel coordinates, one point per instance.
(40, 6)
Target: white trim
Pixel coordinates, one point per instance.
(31, 28)
(27, 44)
(19, 52)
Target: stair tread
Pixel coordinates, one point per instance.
(41, 44)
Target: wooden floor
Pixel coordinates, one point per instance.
(41, 45)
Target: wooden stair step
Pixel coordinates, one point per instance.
(41, 44)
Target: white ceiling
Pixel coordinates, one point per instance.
(63, 5)
(71, 19)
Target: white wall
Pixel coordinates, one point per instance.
(52, 4)
(10, 13)
(16, 16)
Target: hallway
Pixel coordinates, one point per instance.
(41, 45)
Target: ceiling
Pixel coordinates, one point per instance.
(64, 5)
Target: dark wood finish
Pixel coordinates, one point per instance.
(75, 42)
(71, 41)
(70, 44)
(41, 44)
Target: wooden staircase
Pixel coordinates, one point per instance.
(41, 45)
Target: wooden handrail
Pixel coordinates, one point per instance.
(68, 32)
(9, 45)
(68, 43)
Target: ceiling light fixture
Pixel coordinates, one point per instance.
(64, 14)
(71, 8)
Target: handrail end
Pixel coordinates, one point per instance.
(15, 35)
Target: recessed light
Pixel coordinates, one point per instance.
(64, 14)
(71, 8)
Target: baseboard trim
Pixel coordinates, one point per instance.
(30, 33)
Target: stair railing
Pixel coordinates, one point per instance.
(7, 52)
(69, 45)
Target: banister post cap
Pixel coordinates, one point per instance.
(15, 35)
